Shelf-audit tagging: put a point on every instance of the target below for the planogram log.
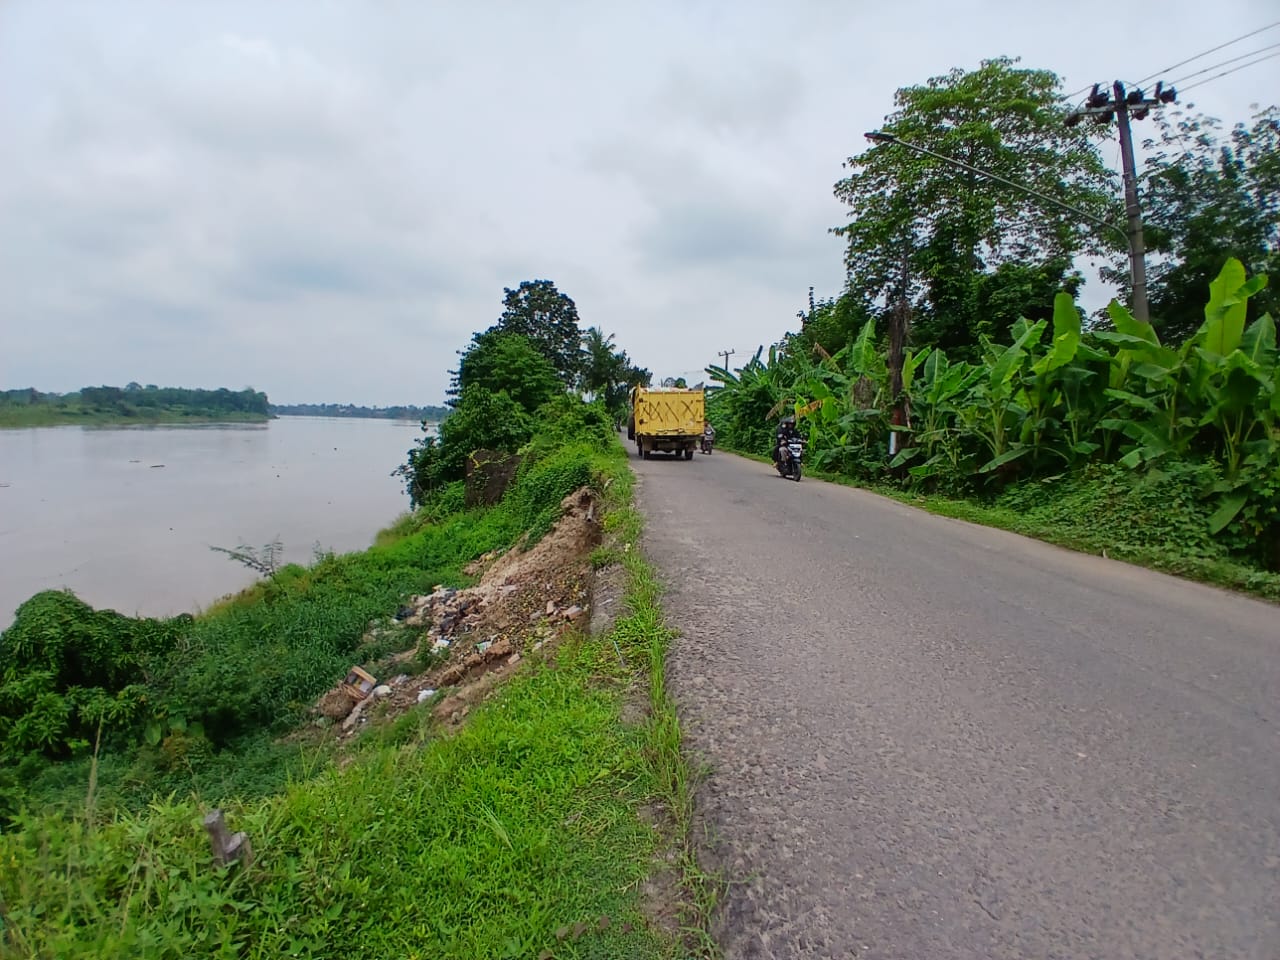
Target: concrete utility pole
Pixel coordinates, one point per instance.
(1128, 104)
(1132, 210)
(726, 354)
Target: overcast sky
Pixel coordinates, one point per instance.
(324, 200)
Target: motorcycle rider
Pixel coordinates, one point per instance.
(786, 433)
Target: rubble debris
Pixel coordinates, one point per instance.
(524, 600)
(356, 715)
(335, 704)
(359, 684)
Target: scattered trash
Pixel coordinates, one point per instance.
(359, 684)
(354, 716)
(469, 639)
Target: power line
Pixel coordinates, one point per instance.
(879, 136)
(1183, 63)
(1223, 63)
(1200, 83)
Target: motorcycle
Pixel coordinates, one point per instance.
(790, 458)
(707, 443)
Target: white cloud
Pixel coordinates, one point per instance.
(326, 199)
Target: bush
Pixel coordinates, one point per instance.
(482, 420)
(567, 419)
(1163, 509)
(70, 670)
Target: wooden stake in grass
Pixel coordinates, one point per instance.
(227, 847)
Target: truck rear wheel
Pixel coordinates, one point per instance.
(688, 453)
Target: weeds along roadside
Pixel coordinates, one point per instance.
(519, 836)
(1091, 512)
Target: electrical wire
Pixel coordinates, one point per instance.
(1200, 83)
(1072, 96)
(1214, 66)
(1183, 63)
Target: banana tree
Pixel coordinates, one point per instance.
(1045, 379)
(999, 413)
(935, 397)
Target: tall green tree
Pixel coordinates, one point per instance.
(1209, 198)
(921, 228)
(828, 325)
(603, 366)
(549, 319)
(608, 373)
(507, 363)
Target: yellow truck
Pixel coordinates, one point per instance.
(666, 419)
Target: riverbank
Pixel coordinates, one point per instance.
(20, 417)
(548, 819)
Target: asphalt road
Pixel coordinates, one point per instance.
(931, 739)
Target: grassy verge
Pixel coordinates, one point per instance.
(521, 836)
(1141, 522)
(645, 631)
(1075, 533)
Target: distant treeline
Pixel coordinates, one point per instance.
(30, 407)
(350, 410)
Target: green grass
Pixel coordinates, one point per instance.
(1140, 520)
(518, 837)
(1077, 533)
(643, 630)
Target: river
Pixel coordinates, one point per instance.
(125, 516)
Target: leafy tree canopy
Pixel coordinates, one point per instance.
(1209, 198)
(549, 319)
(608, 374)
(925, 229)
(508, 363)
